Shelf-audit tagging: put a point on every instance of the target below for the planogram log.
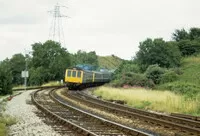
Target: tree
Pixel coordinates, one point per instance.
(157, 51)
(38, 76)
(5, 77)
(17, 63)
(50, 59)
(82, 57)
(180, 35)
(124, 67)
(154, 72)
(188, 47)
(194, 33)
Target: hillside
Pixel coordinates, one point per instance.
(109, 62)
(188, 81)
(191, 70)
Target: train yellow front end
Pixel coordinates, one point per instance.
(76, 78)
(73, 78)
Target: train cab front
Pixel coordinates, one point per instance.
(73, 78)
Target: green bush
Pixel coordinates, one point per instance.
(126, 66)
(177, 70)
(154, 72)
(169, 76)
(133, 79)
(185, 88)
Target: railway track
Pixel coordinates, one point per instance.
(195, 118)
(74, 120)
(181, 125)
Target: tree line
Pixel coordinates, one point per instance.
(157, 61)
(46, 62)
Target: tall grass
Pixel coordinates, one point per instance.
(52, 83)
(163, 101)
(190, 67)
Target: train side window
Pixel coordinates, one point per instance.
(74, 74)
(69, 73)
(79, 74)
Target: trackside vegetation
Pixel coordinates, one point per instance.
(163, 68)
(5, 120)
(158, 65)
(156, 100)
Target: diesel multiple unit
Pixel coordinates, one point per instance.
(76, 78)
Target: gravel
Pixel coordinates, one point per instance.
(28, 124)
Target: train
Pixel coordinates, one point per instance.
(78, 78)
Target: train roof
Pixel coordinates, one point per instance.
(78, 68)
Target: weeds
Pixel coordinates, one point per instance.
(5, 120)
(163, 101)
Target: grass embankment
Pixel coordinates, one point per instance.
(191, 70)
(162, 101)
(188, 82)
(109, 62)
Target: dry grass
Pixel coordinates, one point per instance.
(192, 59)
(163, 101)
(6, 120)
(52, 83)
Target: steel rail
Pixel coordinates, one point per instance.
(147, 116)
(60, 119)
(110, 123)
(79, 128)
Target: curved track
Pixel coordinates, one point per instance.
(183, 126)
(76, 120)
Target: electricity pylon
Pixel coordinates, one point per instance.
(56, 32)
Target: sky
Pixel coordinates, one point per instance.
(104, 26)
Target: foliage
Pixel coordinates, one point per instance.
(52, 83)
(109, 62)
(124, 67)
(5, 78)
(177, 70)
(188, 42)
(133, 79)
(180, 35)
(186, 88)
(188, 81)
(17, 64)
(49, 62)
(169, 76)
(154, 72)
(188, 47)
(82, 57)
(38, 76)
(194, 33)
(5, 121)
(149, 100)
(157, 51)
(190, 67)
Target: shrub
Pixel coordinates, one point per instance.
(169, 76)
(133, 79)
(126, 66)
(185, 88)
(177, 70)
(154, 72)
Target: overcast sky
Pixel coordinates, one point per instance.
(105, 26)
